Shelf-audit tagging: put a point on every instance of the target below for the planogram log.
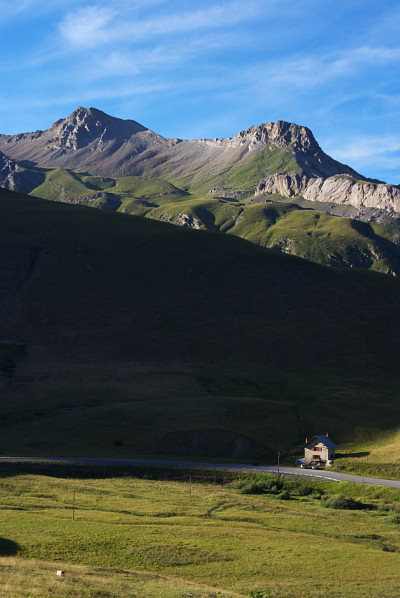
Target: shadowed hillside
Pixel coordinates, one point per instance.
(127, 336)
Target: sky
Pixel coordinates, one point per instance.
(205, 69)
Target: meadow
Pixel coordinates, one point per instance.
(375, 457)
(203, 537)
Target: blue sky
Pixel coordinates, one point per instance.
(209, 68)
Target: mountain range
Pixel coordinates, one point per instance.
(274, 158)
(271, 184)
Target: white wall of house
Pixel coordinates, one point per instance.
(320, 452)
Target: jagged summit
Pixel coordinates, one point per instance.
(87, 138)
(92, 117)
(85, 125)
(281, 134)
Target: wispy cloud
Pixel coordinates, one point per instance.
(88, 26)
(95, 25)
(369, 153)
(361, 148)
(88, 95)
(314, 70)
(9, 10)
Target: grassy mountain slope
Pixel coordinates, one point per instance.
(241, 176)
(128, 336)
(270, 160)
(313, 235)
(309, 234)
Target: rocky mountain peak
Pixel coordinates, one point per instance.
(85, 125)
(280, 134)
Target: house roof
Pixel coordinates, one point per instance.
(324, 439)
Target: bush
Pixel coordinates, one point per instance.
(264, 484)
(339, 501)
(285, 495)
(299, 487)
(261, 485)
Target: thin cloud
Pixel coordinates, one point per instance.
(9, 10)
(311, 71)
(368, 153)
(95, 25)
(88, 27)
(364, 147)
(81, 97)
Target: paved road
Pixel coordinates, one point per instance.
(271, 469)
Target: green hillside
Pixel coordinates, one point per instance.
(270, 160)
(315, 236)
(127, 336)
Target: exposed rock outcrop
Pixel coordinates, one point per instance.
(16, 178)
(8, 168)
(336, 189)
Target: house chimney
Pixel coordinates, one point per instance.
(327, 434)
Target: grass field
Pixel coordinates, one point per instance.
(378, 457)
(145, 538)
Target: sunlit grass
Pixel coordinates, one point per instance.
(378, 457)
(211, 535)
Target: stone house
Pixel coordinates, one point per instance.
(319, 450)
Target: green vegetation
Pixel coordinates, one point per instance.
(376, 457)
(138, 537)
(71, 187)
(312, 235)
(271, 160)
(309, 234)
(62, 185)
(159, 340)
(10, 355)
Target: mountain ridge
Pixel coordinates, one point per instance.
(85, 126)
(270, 158)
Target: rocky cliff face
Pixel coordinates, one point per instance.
(8, 168)
(16, 178)
(339, 189)
(280, 134)
(12, 175)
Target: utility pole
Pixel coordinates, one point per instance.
(190, 488)
(279, 454)
(73, 507)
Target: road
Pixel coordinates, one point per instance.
(271, 469)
